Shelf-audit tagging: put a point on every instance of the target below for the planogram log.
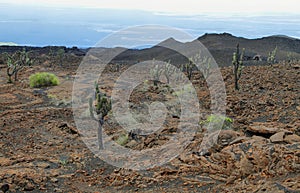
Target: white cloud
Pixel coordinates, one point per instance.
(101, 30)
(178, 6)
(16, 21)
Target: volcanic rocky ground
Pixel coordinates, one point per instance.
(42, 151)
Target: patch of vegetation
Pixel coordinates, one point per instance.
(155, 74)
(122, 139)
(187, 89)
(51, 96)
(99, 108)
(204, 63)
(217, 120)
(292, 58)
(15, 62)
(63, 162)
(60, 56)
(42, 79)
(272, 56)
(237, 62)
(168, 71)
(189, 67)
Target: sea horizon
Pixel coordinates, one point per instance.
(84, 27)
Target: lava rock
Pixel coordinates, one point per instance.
(277, 137)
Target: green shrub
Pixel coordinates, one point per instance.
(218, 118)
(42, 79)
(122, 139)
(216, 121)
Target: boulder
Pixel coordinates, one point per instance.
(277, 137)
(292, 138)
(261, 129)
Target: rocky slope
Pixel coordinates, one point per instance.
(42, 151)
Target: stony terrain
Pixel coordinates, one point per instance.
(42, 151)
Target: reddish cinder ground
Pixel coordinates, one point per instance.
(42, 151)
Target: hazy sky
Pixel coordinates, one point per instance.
(72, 22)
(177, 6)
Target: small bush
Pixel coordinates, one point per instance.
(216, 121)
(218, 118)
(122, 139)
(42, 79)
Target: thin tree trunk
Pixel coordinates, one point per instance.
(9, 74)
(236, 81)
(16, 76)
(9, 79)
(236, 84)
(100, 138)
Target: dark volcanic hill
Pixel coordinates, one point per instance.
(221, 46)
(155, 52)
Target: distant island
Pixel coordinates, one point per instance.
(8, 44)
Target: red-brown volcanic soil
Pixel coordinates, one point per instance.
(42, 151)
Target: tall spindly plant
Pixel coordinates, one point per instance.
(99, 108)
(237, 61)
(15, 62)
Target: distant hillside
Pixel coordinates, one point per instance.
(155, 52)
(221, 46)
(42, 50)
